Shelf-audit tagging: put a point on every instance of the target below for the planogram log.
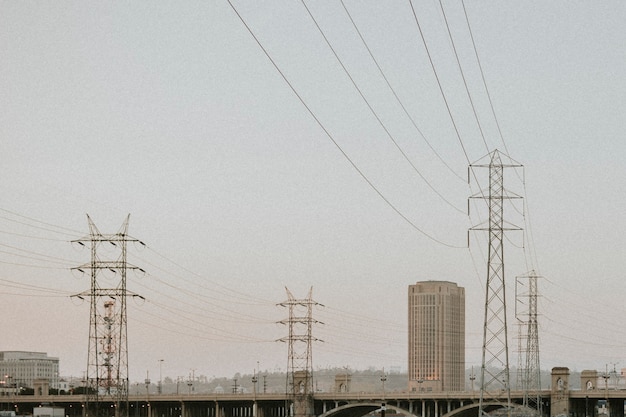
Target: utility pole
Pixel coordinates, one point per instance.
(300, 341)
(606, 377)
(107, 356)
(160, 389)
(383, 406)
(495, 372)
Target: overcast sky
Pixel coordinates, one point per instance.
(242, 181)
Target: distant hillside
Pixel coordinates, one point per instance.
(324, 380)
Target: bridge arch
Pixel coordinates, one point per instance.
(362, 408)
(471, 410)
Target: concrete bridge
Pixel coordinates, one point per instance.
(559, 401)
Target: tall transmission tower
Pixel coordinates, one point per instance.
(527, 293)
(522, 328)
(495, 372)
(107, 357)
(522, 295)
(300, 362)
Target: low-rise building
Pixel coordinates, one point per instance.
(19, 369)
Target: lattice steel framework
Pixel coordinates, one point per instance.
(495, 372)
(107, 357)
(527, 294)
(299, 383)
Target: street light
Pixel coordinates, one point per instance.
(254, 381)
(383, 406)
(160, 390)
(606, 377)
(147, 382)
(383, 378)
(472, 378)
(254, 405)
(8, 384)
(235, 388)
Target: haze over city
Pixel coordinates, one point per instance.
(242, 180)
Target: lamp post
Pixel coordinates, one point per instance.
(8, 384)
(383, 407)
(254, 405)
(160, 390)
(383, 379)
(606, 377)
(147, 382)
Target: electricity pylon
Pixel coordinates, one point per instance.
(531, 373)
(495, 372)
(300, 343)
(107, 356)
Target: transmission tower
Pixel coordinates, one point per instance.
(527, 294)
(495, 372)
(522, 295)
(522, 328)
(107, 355)
(299, 383)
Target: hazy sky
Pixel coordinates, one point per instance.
(172, 112)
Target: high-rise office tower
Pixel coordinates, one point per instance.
(436, 336)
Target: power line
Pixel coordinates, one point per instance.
(332, 139)
(404, 109)
(378, 119)
(74, 232)
(458, 61)
(432, 65)
(482, 74)
(226, 291)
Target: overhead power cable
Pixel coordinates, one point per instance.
(73, 233)
(378, 119)
(532, 251)
(32, 266)
(395, 94)
(188, 321)
(226, 313)
(5, 232)
(238, 294)
(458, 61)
(482, 74)
(332, 139)
(443, 94)
(52, 259)
(22, 286)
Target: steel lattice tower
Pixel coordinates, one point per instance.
(107, 357)
(531, 374)
(495, 375)
(300, 342)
